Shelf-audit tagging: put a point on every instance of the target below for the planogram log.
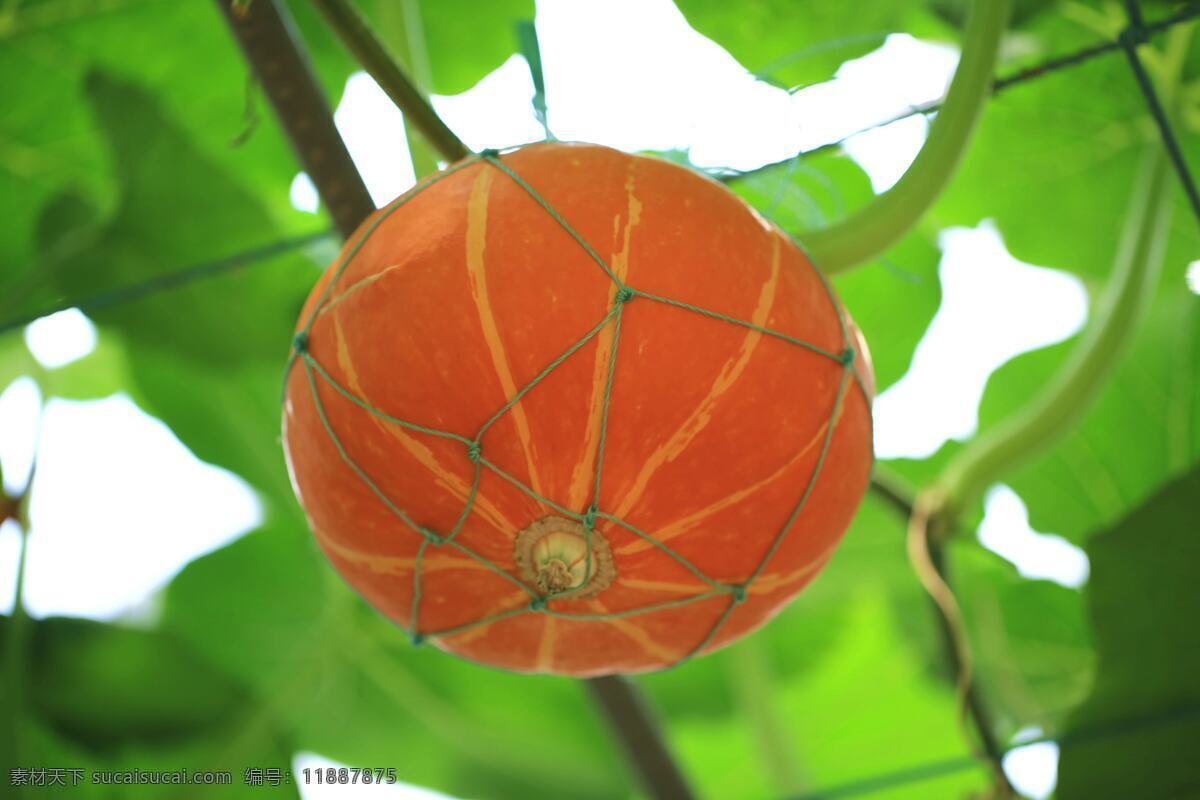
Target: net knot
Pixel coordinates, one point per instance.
(431, 536)
(417, 639)
(489, 153)
(537, 604)
(738, 593)
(1133, 35)
(300, 342)
(625, 294)
(474, 451)
(847, 357)
(589, 518)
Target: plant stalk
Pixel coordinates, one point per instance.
(635, 729)
(268, 39)
(361, 41)
(877, 226)
(405, 32)
(753, 687)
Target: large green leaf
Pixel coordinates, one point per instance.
(796, 43)
(1136, 734)
(1031, 643)
(51, 141)
(864, 622)
(105, 698)
(206, 356)
(106, 687)
(466, 40)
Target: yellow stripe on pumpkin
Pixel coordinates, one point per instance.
(378, 562)
(702, 414)
(682, 526)
(444, 478)
(583, 476)
(636, 634)
(477, 211)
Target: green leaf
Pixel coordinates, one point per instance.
(863, 626)
(463, 40)
(796, 44)
(206, 357)
(106, 698)
(50, 141)
(1136, 734)
(466, 40)
(1031, 643)
(106, 687)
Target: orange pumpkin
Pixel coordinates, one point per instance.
(572, 410)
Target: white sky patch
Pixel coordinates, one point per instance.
(496, 112)
(119, 505)
(993, 309)
(1193, 277)
(324, 791)
(886, 153)
(1032, 769)
(1005, 531)
(61, 338)
(303, 194)
(373, 129)
(20, 404)
(660, 85)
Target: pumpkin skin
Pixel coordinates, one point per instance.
(461, 294)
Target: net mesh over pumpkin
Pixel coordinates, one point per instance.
(473, 450)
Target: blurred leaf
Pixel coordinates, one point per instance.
(1031, 643)
(1143, 603)
(462, 40)
(863, 626)
(206, 356)
(796, 44)
(109, 698)
(867, 708)
(106, 687)
(102, 372)
(50, 142)
(466, 40)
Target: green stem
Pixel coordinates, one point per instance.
(402, 27)
(361, 41)
(753, 687)
(877, 226)
(1120, 309)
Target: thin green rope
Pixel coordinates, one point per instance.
(358, 401)
(539, 603)
(494, 160)
(665, 548)
(749, 325)
(570, 351)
